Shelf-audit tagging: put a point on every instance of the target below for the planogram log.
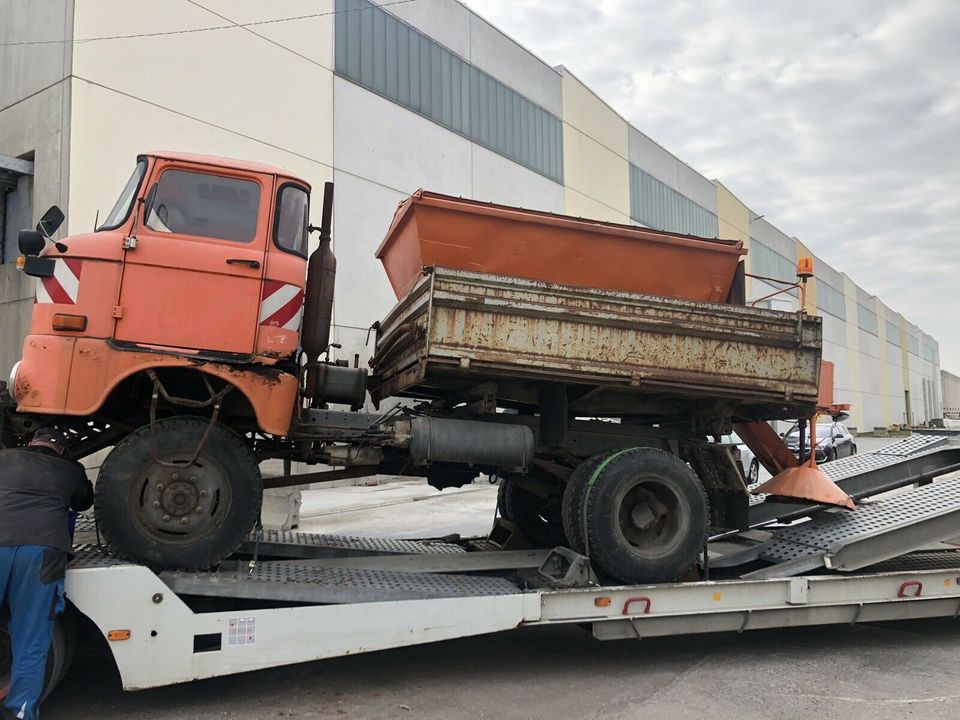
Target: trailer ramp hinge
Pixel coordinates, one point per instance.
(117, 311)
(258, 538)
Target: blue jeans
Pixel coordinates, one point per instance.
(33, 605)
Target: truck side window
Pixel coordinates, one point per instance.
(293, 215)
(190, 203)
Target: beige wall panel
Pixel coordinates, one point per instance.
(593, 170)
(593, 117)
(109, 131)
(311, 37)
(579, 205)
(229, 78)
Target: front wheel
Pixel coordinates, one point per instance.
(163, 512)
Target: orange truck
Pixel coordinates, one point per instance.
(190, 335)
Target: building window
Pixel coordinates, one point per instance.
(913, 345)
(383, 54)
(16, 204)
(660, 207)
(893, 333)
(867, 319)
(831, 300)
(929, 353)
(770, 263)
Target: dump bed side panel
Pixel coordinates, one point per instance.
(457, 329)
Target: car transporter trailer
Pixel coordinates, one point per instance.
(289, 597)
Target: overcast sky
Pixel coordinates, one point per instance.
(839, 121)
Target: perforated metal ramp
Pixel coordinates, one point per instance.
(292, 582)
(874, 532)
(866, 474)
(289, 544)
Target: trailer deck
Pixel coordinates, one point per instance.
(292, 597)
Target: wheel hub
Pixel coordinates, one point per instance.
(185, 502)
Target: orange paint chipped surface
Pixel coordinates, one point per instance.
(438, 230)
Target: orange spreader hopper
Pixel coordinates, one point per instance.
(430, 229)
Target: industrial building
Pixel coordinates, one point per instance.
(382, 100)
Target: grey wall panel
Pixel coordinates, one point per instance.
(696, 187)
(496, 179)
(445, 21)
(381, 141)
(514, 65)
(653, 159)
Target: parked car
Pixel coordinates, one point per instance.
(748, 461)
(833, 441)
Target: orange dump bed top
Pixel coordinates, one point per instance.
(430, 229)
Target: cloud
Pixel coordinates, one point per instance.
(838, 121)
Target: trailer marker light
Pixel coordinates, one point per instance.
(115, 635)
(602, 602)
(716, 597)
(70, 323)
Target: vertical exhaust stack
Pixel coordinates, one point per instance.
(321, 278)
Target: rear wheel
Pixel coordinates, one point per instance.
(645, 515)
(183, 516)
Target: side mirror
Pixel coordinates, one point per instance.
(50, 222)
(30, 242)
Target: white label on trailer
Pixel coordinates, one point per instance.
(242, 631)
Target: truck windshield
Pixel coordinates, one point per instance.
(121, 208)
(213, 206)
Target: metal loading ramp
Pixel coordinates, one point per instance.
(874, 532)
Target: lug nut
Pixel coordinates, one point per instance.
(160, 487)
(203, 493)
(175, 476)
(156, 504)
(193, 478)
(199, 510)
(184, 520)
(166, 518)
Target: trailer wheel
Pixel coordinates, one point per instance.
(59, 657)
(537, 518)
(188, 517)
(645, 515)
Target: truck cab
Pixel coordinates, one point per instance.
(201, 260)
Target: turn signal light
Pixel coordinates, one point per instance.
(21, 262)
(69, 323)
(115, 635)
(602, 601)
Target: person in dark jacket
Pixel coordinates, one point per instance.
(39, 484)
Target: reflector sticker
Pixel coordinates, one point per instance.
(281, 305)
(63, 287)
(242, 631)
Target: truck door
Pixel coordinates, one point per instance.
(194, 277)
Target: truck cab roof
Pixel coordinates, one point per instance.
(222, 162)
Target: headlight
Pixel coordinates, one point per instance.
(12, 385)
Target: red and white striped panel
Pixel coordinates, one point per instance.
(64, 287)
(281, 305)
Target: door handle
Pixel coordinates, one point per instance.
(241, 261)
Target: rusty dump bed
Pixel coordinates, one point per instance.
(617, 353)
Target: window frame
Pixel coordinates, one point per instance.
(276, 217)
(133, 199)
(157, 177)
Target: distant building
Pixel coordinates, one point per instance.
(951, 394)
(382, 101)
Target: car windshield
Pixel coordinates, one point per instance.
(121, 208)
(198, 204)
(823, 432)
